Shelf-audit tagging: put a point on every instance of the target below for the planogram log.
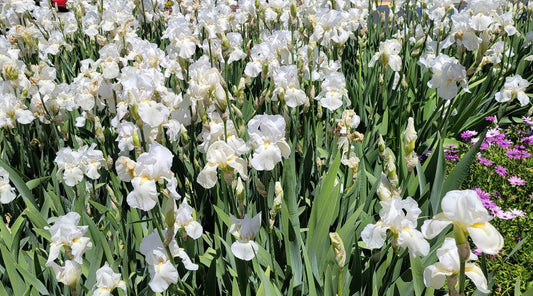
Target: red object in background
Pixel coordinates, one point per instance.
(59, 3)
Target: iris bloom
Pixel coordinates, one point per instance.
(185, 220)
(221, 155)
(244, 231)
(151, 167)
(288, 86)
(388, 55)
(464, 209)
(399, 216)
(7, 193)
(514, 87)
(66, 233)
(333, 91)
(162, 270)
(449, 265)
(107, 281)
(447, 71)
(74, 164)
(68, 274)
(267, 138)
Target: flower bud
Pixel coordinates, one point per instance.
(381, 147)
(409, 137)
(390, 167)
(276, 205)
(338, 249)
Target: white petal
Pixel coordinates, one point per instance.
(208, 176)
(144, 194)
(79, 247)
(374, 235)
(165, 274)
(194, 230)
(475, 274)
(464, 206)
(435, 276)
(240, 166)
(486, 237)
(266, 157)
(413, 239)
(522, 98)
(395, 63)
(187, 261)
(244, 250)
(26, 116)
(55, 247)
(73, 176)
(7, 194)
(433, 227)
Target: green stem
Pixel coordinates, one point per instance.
(340, 282)
(157, 222)
(462, 277)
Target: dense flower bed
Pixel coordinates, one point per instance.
(264, 147)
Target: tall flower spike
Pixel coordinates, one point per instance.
(464, 209)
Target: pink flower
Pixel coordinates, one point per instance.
(493, 132)
(501, 170)
(514, 180)
(466, 135)
(484, 161)
(528, 140)
(525, 154)
(513, 153)
(504, 143)
(518, 213)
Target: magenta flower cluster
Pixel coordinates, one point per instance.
(450, 153)
(497, 137)
(497, 211)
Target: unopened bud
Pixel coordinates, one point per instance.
(239, 190)
(293, 9)
(409, 137)
(170, 215)
(381, 147)
(260, 187)
(99, 129)
(338, 249)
